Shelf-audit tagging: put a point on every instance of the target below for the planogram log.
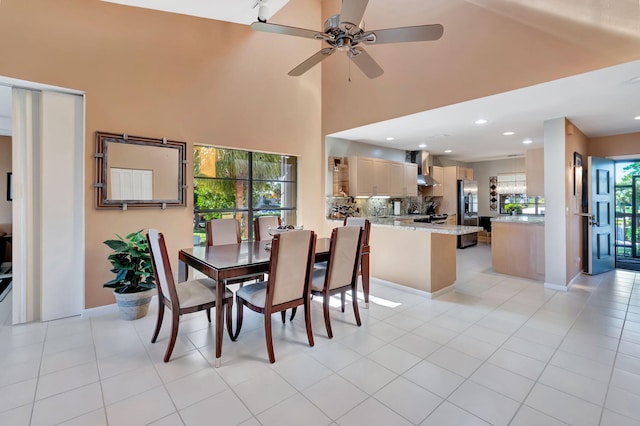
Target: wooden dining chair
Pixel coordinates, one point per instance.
(363, 269)
(287, 286)
(227, 231)
(341, 273)
(261, 226)
(184, 298)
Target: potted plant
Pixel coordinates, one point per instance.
(513, 208)
(134, 281)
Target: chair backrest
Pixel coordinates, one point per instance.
(162, 268)
(344, 256)
(223, 231)
(361, 222)
(261, 226)
(291, 266)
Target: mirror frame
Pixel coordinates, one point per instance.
(102, 169)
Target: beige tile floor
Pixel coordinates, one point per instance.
(497, 350)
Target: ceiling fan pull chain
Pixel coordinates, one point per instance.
(349, 62)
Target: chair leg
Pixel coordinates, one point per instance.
(356, 312)
(342, 300)
(293, 312)
(238, 319)
(269, 337)
(228, 306)
(307, 320)
(283, 314)
(209, 315)
(158, 322)
(175, 321)
(327, 318)
(364, 267)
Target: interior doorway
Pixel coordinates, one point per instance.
(627, 219)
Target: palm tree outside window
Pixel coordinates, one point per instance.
(242, 185)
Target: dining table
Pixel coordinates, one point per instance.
(230, 261)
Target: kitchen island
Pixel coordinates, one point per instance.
(517, 246)
(416, 255)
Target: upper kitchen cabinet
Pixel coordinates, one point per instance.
(403, 179)
(534, 166)
(373, 176)
(437, 189)
(361, 176)
(464, 173)
(410, 179)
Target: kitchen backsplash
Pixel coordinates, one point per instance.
(341, 207)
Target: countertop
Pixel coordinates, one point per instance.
(405, 222)
(520, 219)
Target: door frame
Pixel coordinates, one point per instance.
(24, 241)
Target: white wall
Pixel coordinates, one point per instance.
(482, 170)
(555, 220)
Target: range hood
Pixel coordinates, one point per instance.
(424, 161)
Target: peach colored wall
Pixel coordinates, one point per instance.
(576, 141)
(155, 74)
(607, 146)
(5, 166)
(481, 53)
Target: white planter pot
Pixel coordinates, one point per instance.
(133, 305)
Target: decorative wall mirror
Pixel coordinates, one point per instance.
(134, 171)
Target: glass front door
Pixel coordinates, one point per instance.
(628, 215)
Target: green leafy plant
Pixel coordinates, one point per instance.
(131, 263)
(515, 208)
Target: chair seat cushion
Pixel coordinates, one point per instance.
(255, 294)
(198, 292)
(317, 283)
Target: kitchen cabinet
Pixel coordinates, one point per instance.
(410, 179)
(436, 190)
(361, 176)
(449, 203)
(534, 166)
(373, 176)
(464, 173)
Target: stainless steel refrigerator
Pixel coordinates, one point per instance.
(467, 211)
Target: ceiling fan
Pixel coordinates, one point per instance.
(346, 32)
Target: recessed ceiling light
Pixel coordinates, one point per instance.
(422, 145)
(509, 133)
(481, 121)
(527, 141)
(390, 138)
(636, 118)
(447, 151)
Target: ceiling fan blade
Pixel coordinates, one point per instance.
(311, 62)
(353, 11)
(407, 34)
(283, 29)
(366, 63)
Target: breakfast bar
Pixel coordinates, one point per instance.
(416, 255)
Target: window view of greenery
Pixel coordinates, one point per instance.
(627, 192)
(243, 185)
(513, 198)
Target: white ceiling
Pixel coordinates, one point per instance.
(599, 103)
(238, 11)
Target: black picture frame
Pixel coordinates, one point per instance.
(9, 186)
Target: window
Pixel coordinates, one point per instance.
(242, 185)
(512, 191)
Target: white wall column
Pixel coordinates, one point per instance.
(556, 208)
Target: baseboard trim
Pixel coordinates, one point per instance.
(414, 290)
(557, 287)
